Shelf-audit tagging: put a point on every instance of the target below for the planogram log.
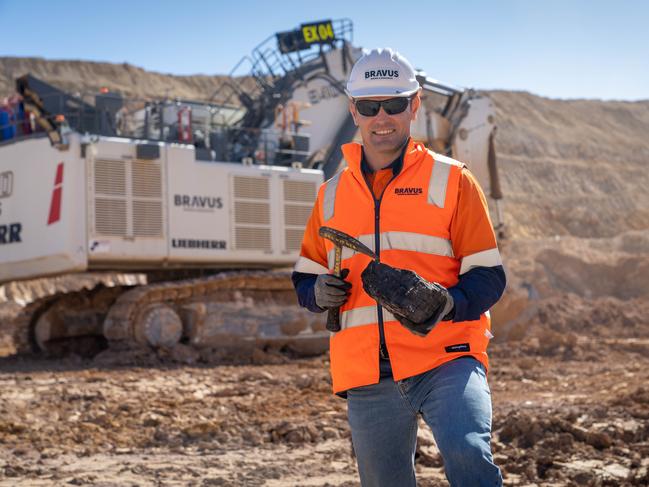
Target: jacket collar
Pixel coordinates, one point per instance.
(395, 165)
(353, 154)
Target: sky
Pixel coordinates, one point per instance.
(554, 48)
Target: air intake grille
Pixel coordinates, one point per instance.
(128, 198)
(303, 191)
(110, 217)
(249, 187)
(110, 177)
(147, 218)
(249, 238)
(252, 213)
(146, 182)
(299, 197)
(293, 239)
(146, 179)
(296, 215)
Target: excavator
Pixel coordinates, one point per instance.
(207, 199)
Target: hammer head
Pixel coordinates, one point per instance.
(341, 239)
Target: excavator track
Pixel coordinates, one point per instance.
(65, 322)
(239, 310)
(231, 311)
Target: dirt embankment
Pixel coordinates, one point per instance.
(86, 77)
(572, 168)
(577, 211)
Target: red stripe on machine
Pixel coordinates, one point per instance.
(57, 194)
(59, 174)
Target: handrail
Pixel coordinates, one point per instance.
(225, 143)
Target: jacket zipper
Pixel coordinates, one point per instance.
(383, 350)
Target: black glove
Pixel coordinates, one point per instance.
(418, 304)
(332, 291)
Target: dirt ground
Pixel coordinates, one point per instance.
(562, 416)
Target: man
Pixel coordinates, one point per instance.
(415, 326)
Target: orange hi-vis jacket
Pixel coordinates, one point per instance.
(412, 226)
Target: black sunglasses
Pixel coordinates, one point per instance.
(392, 106)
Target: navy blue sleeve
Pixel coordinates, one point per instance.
(477, 291)
(304, 284)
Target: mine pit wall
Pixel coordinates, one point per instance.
(576, 211)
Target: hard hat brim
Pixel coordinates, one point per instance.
(374, 91)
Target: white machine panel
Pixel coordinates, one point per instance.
(126, 203)
(236, 214)
(198, 214)
(42, 215)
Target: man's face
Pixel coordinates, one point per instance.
(385, 133)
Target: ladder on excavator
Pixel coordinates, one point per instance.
(265, 78)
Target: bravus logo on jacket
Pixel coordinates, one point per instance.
(408, 191)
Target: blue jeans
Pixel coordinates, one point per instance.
(454, 400)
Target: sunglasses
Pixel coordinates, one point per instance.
(391, 106)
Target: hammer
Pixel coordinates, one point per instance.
(340, 240)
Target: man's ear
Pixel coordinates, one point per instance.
(352, 110)
(415, 104)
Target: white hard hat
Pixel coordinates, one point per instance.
(382, 72)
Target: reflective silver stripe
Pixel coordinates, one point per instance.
(439, 179)
(387, 316)
(367, 239)
(486, 258)
(416, 242)
(329, 202)
(366, 315)
(309, 266)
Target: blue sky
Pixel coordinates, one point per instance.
(560, 49)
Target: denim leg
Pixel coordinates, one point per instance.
(455, 401)
(384, 434)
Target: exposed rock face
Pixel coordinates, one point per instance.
(572, 168)
(89, 77)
